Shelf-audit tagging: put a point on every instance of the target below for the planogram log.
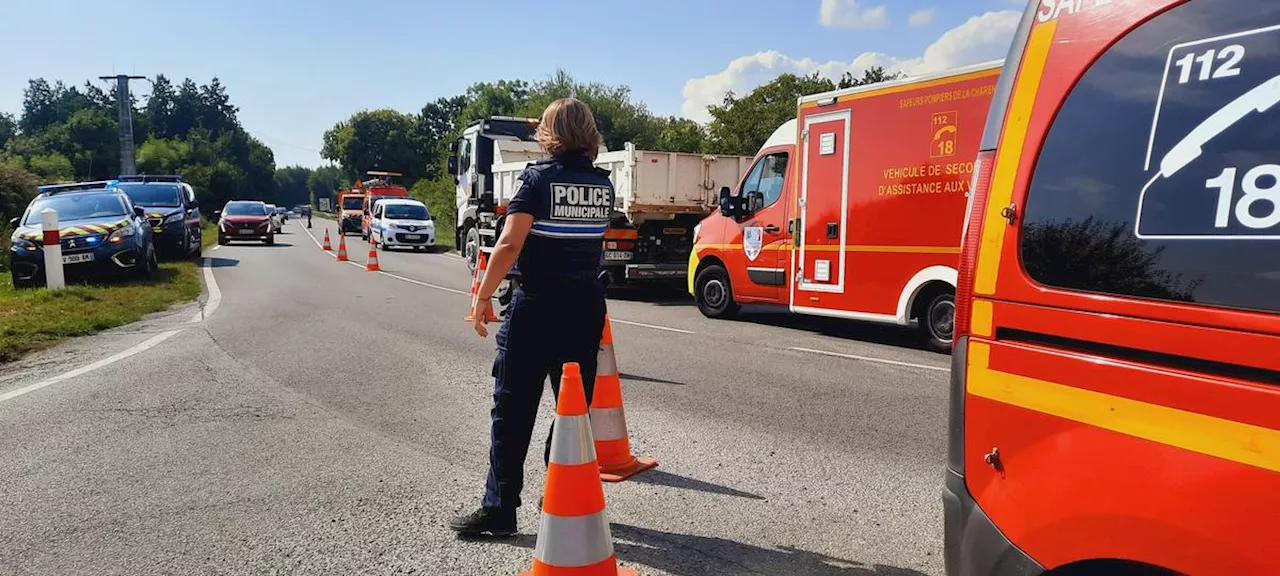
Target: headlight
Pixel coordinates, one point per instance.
(119, 235)
(23, 243)
(170, 219)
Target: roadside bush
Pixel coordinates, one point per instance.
(439, 195)
(17, 188)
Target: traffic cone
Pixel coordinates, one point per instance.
(482, 264)
(573, 536)
(372, 264)
(609, 422)
(342, 248)
(327, 247)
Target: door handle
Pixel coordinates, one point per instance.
(771, 229)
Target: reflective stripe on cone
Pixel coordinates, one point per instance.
(609, 420)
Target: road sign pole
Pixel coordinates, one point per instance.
(53, 276)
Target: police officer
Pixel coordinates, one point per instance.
(554, 230)
(306, 210)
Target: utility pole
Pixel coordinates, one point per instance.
(126, 120)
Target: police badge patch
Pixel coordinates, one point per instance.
(752, 241)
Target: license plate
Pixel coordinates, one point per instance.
(617, 256)
(77, 258)
(412, 236)
(673, 231)
(245, 232)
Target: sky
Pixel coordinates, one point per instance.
(295, 67)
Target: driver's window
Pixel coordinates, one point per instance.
(464, 155)
(752, 183)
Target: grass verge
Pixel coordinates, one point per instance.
(35, 319)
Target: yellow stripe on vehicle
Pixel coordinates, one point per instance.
(1009, 157)
(1218, 437)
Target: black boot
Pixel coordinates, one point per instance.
(494, 521)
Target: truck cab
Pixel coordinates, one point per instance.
(471, 164)
(350, 212)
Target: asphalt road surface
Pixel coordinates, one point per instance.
(311, 417)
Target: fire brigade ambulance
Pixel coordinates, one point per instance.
(855, 208)
(1115, 382)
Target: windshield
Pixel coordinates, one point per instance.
(407, 212)
(78, 207)
(160, 195)
(245, 209)
(352, 202)
(523, 130)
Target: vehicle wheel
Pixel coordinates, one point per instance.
(937, 324)
(714, 293)
(471, 247)
(270, 241)
(150, 264)
(20, 284)
(222, 240)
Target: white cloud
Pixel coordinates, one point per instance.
(921, 17)
(981, 38)
(849, 14)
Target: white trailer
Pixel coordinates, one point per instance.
(661, 196)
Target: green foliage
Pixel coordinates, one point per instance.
(291, 186)
(324, 182)
(17, 188)
(377, 140)
(8, 129)
(439, 196)
(191, 130)
(741, 125)
(52, 167)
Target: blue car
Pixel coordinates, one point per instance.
(171, 209)
(103, 235)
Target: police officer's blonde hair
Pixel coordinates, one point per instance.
(568, 127)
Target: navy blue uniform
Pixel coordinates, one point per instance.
(557, 313)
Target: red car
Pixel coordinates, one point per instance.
(245, 220)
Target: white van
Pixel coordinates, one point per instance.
(402, 223)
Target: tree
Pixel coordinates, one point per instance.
(377, 140)
(291, 185)
(680, 135)
(160, 108)
(52, 167)
(741, 125)
(325, 182)
(501, 98)
(17, 188)
(94, 143)
(8, 129)
(162, 155)
(618, 119)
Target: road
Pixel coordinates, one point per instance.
(311, 417)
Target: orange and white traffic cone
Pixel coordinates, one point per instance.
(609, 422)
(327, 247)
(372, 263)
(573, 536)
(482, 265)
(342, 248)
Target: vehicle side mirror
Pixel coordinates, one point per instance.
(453, 165)
(195, 204)
(217, 214)
(139, 212)
(726, 202)
(755, 201)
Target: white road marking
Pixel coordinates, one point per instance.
(215, 295)
(465, 293)
(643, 325)
(412, 281)
(871, 359)
(144, 346)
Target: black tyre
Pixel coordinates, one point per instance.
(714, 293)
(222, 240)
(19, 283)
(471, 247)
(270, 241)
(937, 322)
(149, 263)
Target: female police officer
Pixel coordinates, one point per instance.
(554, 230)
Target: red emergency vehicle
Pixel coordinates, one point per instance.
(862, 219)
(378, 186)
(1115, 387)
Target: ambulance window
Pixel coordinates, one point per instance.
(1160, 176)
(767, 177)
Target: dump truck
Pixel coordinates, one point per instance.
(660, 197)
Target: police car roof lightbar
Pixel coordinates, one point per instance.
(151, 178)
(59, 188)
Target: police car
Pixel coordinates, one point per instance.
(171, 210)
(402, 223)
(103, 234)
